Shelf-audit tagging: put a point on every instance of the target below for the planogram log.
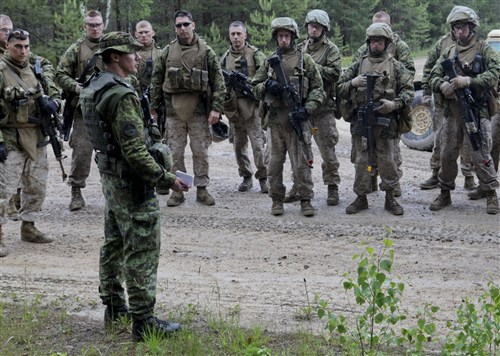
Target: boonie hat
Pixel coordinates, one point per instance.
(119, 41)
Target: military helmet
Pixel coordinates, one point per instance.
(220, 131)
(284, 23)
(379, 29)
(119, 41)
(318, 16)
(463, 14)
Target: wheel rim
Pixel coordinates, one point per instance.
(422, 120)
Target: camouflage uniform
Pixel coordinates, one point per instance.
(187, 109)
(149, 54)
(282, 137)
(453, 134)
(129, 173)
(327, 57)
(26, 164)
(437, 120)
(495, 134)
(246, 122)
(393, 77)
(70, 68)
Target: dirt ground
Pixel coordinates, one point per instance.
(236, 255)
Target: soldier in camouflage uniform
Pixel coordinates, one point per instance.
(400, 50)
(188, 79)
(242, 111)
(131, 249)
(6, 27)
(395, 83)
(24, 97)
(327, 57)
(301, 71)
(478, 68)
(71, 66)
(437, 120)
(149, 54)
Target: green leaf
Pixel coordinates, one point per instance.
(379, 318)
(386, 265)
(347, 285)
(381, 277)
(321, 313)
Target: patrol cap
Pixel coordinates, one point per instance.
(462, 14)
(379, 29)
(284, 23)
(119, 41)
(318, 16)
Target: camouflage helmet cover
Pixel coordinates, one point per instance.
(318, 16)
(462, 14)
(284, 23)
(119, 41)
(379, 29)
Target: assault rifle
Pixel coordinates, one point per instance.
(146, 110)
(239, 82)
(468, 111)
(290, 97)
(69, 110)
(49, 123)
(368, 120)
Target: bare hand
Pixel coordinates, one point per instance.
(179, 186)
(213, 117)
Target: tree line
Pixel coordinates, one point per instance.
(55, 24)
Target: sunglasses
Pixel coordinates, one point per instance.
(184, 24)
(19, 34)
(94, 25)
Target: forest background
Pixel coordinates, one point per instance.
(55, 24)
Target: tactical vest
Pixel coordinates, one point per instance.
(386, 85)
(146, 64)
(232, 61)
(86, 50)
(21, 89)
(318, 51)
(99, 101)
(186, 68)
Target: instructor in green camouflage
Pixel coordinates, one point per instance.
(130, 252)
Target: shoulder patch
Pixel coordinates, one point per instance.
(129, 130)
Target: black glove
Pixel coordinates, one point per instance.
(3, 152)
(47, 105)
(299, 115)
(273, 87)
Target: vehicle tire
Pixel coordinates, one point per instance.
(421, 136)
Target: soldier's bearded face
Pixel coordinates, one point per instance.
(377, 45)
(19, 50)
(314, 30)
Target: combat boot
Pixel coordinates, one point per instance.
(77, 201)
(432, 182)
(306, 208)
(397, 190)
(204, 197)
(30, 233)
(374, 182)
(333, 195)
(492, 203)
(277, 208)
(153, 326)
(3, 249)
(391, 205)
(361, 203)
(246, 185)
(12, 207)
(175, 199)
(442, 201)
(469, 183)
(264, 189)
(291, 196)
(114, 314)
(477, 194)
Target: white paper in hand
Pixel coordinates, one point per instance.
(186, 178)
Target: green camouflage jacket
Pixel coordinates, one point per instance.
(215, 77)
(479, 84)
(398, 49)
(434, 54)
(327, 57)
(149, 52)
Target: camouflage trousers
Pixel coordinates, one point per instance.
(20, 171)
(495, 135)
(244, 130)
(326, 139)
(465, 154)
(198, 131)
(385, 160)
(131, 248)
(453, 136)
(281, 142)
(81, 156)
